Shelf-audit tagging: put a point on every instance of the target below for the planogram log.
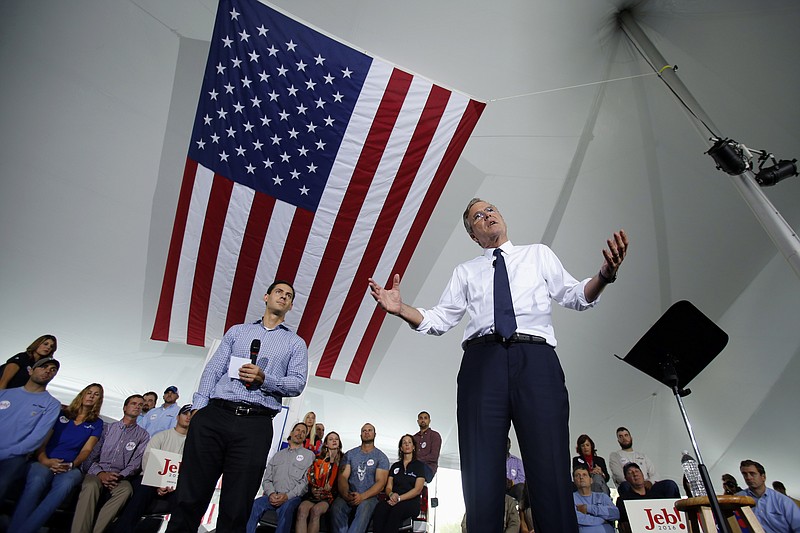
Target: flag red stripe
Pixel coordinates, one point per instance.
(384, 226)
(295, 246)
(218, 201)
(247, 265)
(164, 310)
(363, 174)
(463, 131)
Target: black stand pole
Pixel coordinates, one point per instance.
(674, 351)
(719, 518)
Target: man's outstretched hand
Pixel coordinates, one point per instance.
(614, 254)
(389, 299)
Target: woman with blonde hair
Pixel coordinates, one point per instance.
(59, 457)
(312, 442)
(321, 484)
(14, 373)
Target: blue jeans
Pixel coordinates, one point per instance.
(32, 510)
(341, 511)
(11, 469)
(285, 514)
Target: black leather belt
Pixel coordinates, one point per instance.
(495, 338)
(242, 408)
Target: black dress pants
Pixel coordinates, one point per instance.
(221, 443)
(523, 383)
(388, 518)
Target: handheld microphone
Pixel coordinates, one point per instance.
(255, 347)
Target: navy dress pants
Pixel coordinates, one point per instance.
(523, 383)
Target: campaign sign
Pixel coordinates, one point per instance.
(647, 516)
(162, 469)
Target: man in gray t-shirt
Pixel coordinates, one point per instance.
(362, 476)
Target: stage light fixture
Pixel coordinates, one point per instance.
(735, 158)
(778, 172)
(729, 156)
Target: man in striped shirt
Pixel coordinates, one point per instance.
(116, 457)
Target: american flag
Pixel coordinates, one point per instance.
(311, 162)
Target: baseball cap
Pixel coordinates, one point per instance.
(185, 409)
(171, 388)
(46, 360)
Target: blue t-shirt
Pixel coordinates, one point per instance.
(363, 467)
(25, 419)
(68, 439)
(160, 419)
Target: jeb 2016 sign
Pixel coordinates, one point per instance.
(162, 469)
(648, 516)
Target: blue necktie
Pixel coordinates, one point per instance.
(505, 322)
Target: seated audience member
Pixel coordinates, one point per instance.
(56, 471)
(780, 487)
(16, 371)
(312, 442)
(595, 511)
(429, 445)
(511, 518)
(321, 485)
(403, 489)
(319, 434)
(776, 512)
(170, 440)
(525, 512)
(150, 400)
(284, 482)
(638, 488)
(596, 465)
(165, 417)
(515, 474)
(362, 476)
(618, 460)
(115, 458)
(729, 484)
(27, 413)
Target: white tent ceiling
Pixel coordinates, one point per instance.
(97, 103)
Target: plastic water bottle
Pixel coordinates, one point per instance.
(693, 475)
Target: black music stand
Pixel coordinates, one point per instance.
(673, 352)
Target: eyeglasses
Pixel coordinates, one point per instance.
(483, 213)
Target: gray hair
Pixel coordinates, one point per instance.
(467, 221)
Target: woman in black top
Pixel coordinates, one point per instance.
(596, 465)
(15, 372)
(403, 489)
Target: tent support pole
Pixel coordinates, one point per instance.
(781, 233)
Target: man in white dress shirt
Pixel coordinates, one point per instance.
(514, 375)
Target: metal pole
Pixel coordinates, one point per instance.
(716, 510)
(781, 233)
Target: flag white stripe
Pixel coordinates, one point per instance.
(179, 315)
(228, 257)
(274, 242)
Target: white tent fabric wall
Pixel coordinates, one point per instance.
(97, 106)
